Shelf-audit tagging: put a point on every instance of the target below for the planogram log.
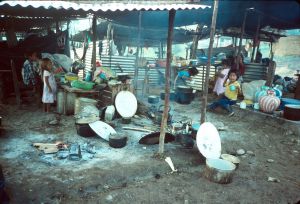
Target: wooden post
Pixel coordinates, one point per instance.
(195, 42)
(137, 53)
(211, 42)
(255, 40)
(241, 40)
(271, 69)
(167, 84)
(56, 26)
(94, 29)
(270, 73)
(16, 83)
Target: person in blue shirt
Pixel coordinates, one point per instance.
(184, 75)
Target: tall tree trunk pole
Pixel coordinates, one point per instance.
(167, 84)
(137, 53)
(94, 43)
(211, 42)
(255, 39)
(241, 40)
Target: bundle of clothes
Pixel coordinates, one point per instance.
(288, 84)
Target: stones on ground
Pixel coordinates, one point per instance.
(144, 147)
(270, 160)
(220, 126)
(251, 153)
(109, 198)
(272, 179)
(240, 152)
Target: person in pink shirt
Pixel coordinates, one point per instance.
(219, 89)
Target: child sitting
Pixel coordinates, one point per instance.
(232, 89)
(49, 91)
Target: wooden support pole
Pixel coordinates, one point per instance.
(195, 43)
(167, 84)
(16, 83)
(241, 40)
(255, 40)
(270, 73)
(211, 42)
(94, 29)
(56, 26)
(137, 53)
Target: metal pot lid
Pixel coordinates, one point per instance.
(208, 141)
(102, 129)
(153, 96)
(126, 104)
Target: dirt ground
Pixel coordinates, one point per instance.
(133, 175)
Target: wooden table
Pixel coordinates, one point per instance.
(297, 92)
(70, 94)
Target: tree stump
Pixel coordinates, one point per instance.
(219, 171)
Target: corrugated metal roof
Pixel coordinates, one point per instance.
(103, 7)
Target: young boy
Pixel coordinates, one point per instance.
(232, 89)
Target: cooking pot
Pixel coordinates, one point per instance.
(291, 112)
(123, 77)
(172, 96)
(153, 99)
(159, 115)
(184, 89)
(117, 141)
(83, 128)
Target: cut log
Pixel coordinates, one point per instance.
(219, 171)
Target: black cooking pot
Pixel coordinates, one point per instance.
(172, 96)
(117, 141)
(153, 99)
(84, 130)
(123, 77)
(291, 112)
(184, 89)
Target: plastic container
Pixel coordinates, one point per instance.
(88, 76)
(243, 105)
(60, 101)
(82, 85)
(80, 103)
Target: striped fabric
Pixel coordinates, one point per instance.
(269, 103)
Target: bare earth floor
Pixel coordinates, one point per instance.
(133, 175)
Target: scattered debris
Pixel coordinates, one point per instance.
(169, 161)
(240, 152)
(137, 129)
(295, 151)
(270, 160)
(75, 152)
(49, 148)
(251, 153)
(272, 179)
